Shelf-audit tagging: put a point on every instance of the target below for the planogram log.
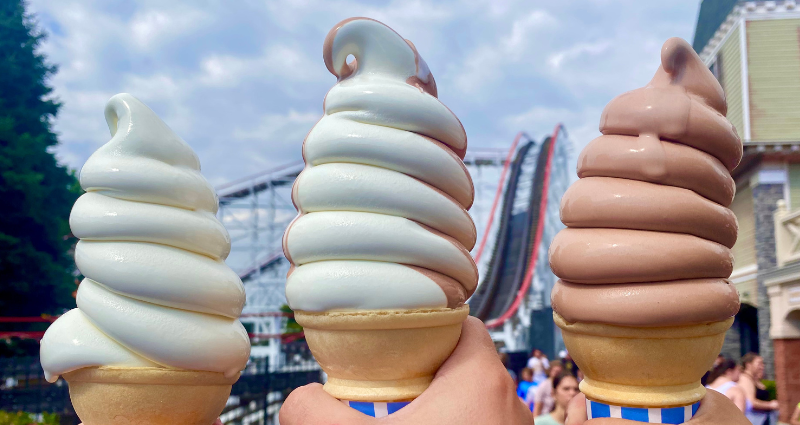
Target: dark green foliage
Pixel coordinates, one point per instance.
(22, 418)
(771, 388)
(35, 191)
(291, 325)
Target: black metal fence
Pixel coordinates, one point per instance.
(255, 397)
(24, 389)
(258, 394)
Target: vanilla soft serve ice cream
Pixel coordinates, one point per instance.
(383, 200)
(156, 292)
(380, 258)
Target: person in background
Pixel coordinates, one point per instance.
(472, 387)
(570, 365)
(764, 411)
(504, 360)
(723, 380)
(565, 387)
(525, 382)
(795, 419)
(720, 358)
(541, 397)
(544, 359)
(539, 364)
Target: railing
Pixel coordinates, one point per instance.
(255, 398)
(24, 389)
(258, 394)
(787, 234)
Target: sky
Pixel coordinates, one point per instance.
(243, 81)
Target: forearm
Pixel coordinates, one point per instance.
(537, 409)
(741, 403)
(761, 404)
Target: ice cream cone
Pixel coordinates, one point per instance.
(643, 366)
(147, 395)
(381, 355)
(644, 299)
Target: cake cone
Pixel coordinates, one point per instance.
(381, 268)
(643, 300)
(147, 396)
(643, 367)
(155, 339)
(381, 355)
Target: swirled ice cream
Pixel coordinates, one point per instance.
(649, 232)
(156, 291)
(383, 201)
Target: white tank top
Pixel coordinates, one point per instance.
(724, 389)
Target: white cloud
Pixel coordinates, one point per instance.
(487, 63)
(279, 61)
(152, 26)
(272, 126)
(243, 82)
(523, 30)
(557, 59)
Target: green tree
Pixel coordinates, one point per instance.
(291, 325)
(35, 191)
(22, 418)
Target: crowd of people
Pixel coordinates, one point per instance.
(742, 383)
(473, 387)
(548, 386)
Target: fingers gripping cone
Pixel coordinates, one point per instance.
(643, 301)
(380, 248)
(382, 356)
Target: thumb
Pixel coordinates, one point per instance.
(311, 405)
(576, 410)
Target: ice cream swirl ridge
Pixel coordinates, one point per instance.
(383, 201)
(649, 232)
(156, 290)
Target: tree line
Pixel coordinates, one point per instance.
(37, 272)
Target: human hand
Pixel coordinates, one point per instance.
(472, 386)
(217, 422)
(715, 409)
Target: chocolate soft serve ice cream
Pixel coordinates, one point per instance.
(643, 298)
(380, 248)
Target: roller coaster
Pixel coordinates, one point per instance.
(516, 212)
(517, 194)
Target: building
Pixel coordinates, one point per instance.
(753, 48)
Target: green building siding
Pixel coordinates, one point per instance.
(744, 251)
(730, 58)
(794, 186)
(774, 71)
